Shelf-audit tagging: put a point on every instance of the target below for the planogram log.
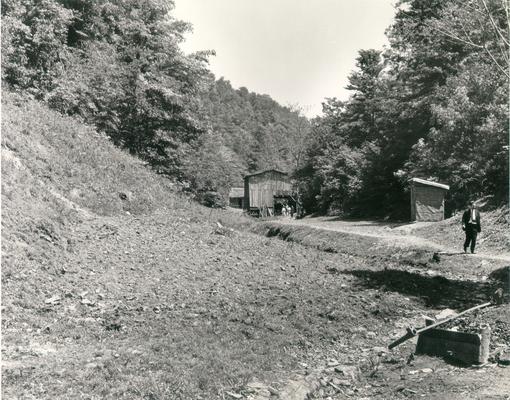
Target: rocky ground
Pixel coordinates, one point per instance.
(176, 305)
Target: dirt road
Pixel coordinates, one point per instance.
(392, 234)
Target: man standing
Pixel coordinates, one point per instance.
(471, 225)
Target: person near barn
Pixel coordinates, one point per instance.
(471, 225)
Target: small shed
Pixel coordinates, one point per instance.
(427, 200)
(264, 189)
(236, 197)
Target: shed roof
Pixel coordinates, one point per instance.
(236, 192)
(264, 171)
(429, 183)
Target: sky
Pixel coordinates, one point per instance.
(297, 51)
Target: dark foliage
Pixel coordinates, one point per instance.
(433, 106)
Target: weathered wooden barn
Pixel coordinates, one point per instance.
(236, 197)
(427, 200)
(265, 189)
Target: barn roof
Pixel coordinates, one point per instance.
(236, 192)
(429, 183)
(264, 171)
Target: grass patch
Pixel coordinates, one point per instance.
(44, 152)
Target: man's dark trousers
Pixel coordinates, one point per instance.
(471, 233)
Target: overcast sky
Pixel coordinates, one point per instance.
(297, 51)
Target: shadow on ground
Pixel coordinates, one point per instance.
(364, 222)
(434, 291)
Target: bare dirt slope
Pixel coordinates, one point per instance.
(116, 287)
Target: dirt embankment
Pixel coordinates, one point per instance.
(444, 236)
(409, 251)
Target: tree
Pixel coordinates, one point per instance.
(360, 115)
(295, 137)
(466, 147)
(480, 25)
(438, 96)
(34, 36)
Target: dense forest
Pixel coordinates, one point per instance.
(434, 104)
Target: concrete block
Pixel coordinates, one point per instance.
(470, 348)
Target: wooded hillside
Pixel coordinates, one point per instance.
(260, 132)
(433, 105)
(118, 66)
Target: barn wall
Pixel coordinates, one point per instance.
(428, 203)
(247, 204)
(413, 204)
(262, 188)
